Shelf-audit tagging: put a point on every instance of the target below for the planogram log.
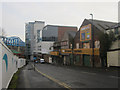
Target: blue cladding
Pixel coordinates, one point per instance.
(13, 41)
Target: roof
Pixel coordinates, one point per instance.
(61, 26)
(40, 21)
(102, 25)
(115, 26)
(15, 52)
(72, 33)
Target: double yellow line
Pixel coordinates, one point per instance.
(53, 79)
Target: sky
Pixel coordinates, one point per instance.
(16, 14)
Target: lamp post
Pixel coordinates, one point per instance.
(92, 41)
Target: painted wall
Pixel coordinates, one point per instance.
(9, 64)
(45, 47)
(21, 62)
(112, 58)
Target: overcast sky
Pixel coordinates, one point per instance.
(16, 14)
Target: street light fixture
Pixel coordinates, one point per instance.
(92, 41)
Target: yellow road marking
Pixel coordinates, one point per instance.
(53, 79)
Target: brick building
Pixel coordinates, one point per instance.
(65, 39)
(83, 46)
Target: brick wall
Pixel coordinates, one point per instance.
(62, 30)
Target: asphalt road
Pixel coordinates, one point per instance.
(51, 76)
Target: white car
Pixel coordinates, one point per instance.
(42, 60)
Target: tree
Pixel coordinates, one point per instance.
(105, 44)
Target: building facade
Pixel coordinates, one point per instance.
(87, 42)
(64, 42)
(33, 36)
(113, 55)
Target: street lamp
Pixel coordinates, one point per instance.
(92, 41)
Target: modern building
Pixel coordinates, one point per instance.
(33, 36)
(40, 38)
(65, 40)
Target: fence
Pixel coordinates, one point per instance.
(9, 64)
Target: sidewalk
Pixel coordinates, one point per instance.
(28, 78)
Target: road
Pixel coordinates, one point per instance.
(51, 76)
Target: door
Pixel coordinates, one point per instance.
(86, 60)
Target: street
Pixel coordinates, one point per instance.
(51, 76)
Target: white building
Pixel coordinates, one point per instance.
(33, 35)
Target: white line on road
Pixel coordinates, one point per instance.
(114, 77)
(89, 73)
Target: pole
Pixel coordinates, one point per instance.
(92, 41)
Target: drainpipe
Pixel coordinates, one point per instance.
(92, 41)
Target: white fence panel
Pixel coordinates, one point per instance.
(21, 62)
(0, 66)
(9, 64)
(112, 58)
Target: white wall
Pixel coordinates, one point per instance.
(0, 65)
(37, 26)
(8, 67)
(21, 62)
(112, 58)
(45, 47)
(9, 64)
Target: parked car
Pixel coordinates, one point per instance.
(42, 60)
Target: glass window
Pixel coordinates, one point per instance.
(88, 35)
(77, 45)
(83, 36)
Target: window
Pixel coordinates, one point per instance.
(49, 38)
(77, 45)
(38, 35)
(83, 36)
(116, 31)
(86, 45)
(88, 35)
(97, 44)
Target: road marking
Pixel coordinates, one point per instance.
(114, 77)
(53, 79)
(89, 73)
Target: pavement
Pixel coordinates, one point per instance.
(66, 77)
(28, 78)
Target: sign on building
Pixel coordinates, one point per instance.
(85, 33)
